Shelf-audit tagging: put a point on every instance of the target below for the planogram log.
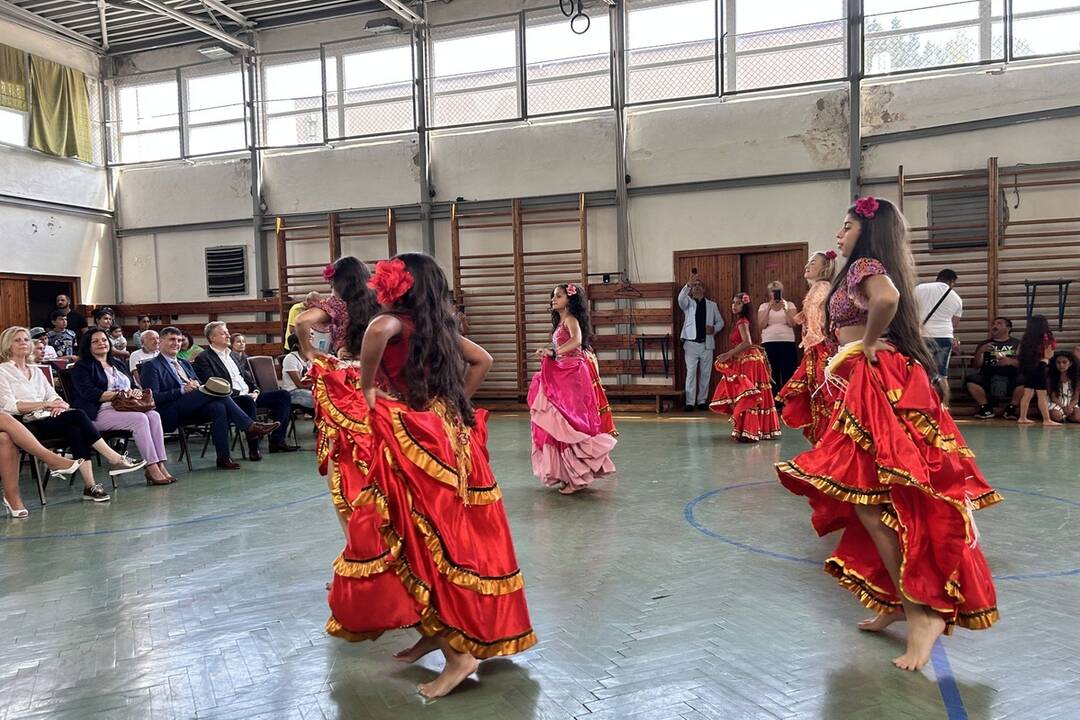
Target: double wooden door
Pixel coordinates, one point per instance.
(727, 271)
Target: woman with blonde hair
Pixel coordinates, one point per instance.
(25, 391)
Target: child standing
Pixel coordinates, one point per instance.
(570, 447)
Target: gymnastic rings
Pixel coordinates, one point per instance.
(567, 7)
(576, 25)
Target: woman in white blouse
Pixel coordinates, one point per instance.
(25, 391)
(776, 321)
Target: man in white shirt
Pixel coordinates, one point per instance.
(150, 345)
(701, 323)
(940, 308)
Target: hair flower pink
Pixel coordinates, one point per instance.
(744, 298)
(571, 289)
(328, 272)
(867, 207)
(830, 254)
(390, 281)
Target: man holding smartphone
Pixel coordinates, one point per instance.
(701, 323)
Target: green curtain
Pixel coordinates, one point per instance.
(59, 110)
(13, 79)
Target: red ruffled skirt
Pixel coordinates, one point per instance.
(428, 543)
(892, 444)
(808, 401)
(607, 420)
(744, 391)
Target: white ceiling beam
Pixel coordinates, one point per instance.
(185, 19)
(401, 10)
(103, 23)
(40, 23)
(228, 12)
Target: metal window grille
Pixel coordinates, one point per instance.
(369, 86)
(683, 68)
(563, 71)
(226, 271)
(1039, 30)
(485, 89)
(145, 117)
(795, 55)
(291, 102)
(213, 107)
(933, 35)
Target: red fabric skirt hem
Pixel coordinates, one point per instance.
(744, 391)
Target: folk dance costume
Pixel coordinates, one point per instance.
(571, 440)
(428, 544)
(744, 391)
(891, 443)
(607, 420)
(807, 399)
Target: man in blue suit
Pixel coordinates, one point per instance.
(181, 400)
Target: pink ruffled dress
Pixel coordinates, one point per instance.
(569, 444)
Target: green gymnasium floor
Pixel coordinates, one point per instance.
(687, 587)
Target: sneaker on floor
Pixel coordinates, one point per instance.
(985, 412)
(125, 465)
(1012, 413)
(96, 494)
(688, 408)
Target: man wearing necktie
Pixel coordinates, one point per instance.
(180, 402)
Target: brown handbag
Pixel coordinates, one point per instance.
(125, 401)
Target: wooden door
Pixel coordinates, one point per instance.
(761, 268)
(14, 303)
(720, 272)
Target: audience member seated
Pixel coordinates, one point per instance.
(1063, 388)
(24, 391)
(98, 378)
(43, 352)
(76, 323)
(60, 338)
(14, 437)
(117, 339)
(220, 362)
(136, 337)
(151, 341)
(238, 345)
(996, 367)
(182, 401)
(188, 349)
(104, 318)
(1036, 349)
(309, 301)
(294, 376)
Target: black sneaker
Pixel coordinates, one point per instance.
(688, 408)
(984, 412)
(703, 406)
(1012, 413)
(96, 494)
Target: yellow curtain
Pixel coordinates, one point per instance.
(13, 79)
(60, 110)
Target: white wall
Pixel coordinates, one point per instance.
(179, 194)
(171, 267)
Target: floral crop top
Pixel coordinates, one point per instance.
(849, 305)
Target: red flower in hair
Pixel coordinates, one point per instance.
(328, 272)
(744, 298)
(867, 207)
(571, 289)
(830, 254)
(390, 281)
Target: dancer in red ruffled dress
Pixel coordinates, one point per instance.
(807, 400)
(571, 446)
(744, 389)
(428, 544)
(892, 471)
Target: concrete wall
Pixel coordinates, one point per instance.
(179, 194)
(171, 267)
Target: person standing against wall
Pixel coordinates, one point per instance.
(776, 320)
(701, 323)
(940, 308)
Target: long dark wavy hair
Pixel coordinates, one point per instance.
(350, 284)
(884, 238)
(86, 355)
(1032, 344)
(1053, 378)
(578, 306)
(435, 366)
(747, 311)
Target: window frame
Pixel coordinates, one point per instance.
(341, 107)
(185, 111)
(117, 134)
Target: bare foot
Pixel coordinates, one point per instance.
(1025, 421)
(422, 647)
(923, 632)
(881, 621)
(458, 667)
(567, 489)
(1051, 423)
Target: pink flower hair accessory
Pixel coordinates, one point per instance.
(571, 289)
(866, 207)
(744, 298)
(328, 272)
(830, 254)
(391, 281)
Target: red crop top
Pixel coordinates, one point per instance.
(849, 305)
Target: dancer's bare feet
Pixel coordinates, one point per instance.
(458, 667)
(1025, 421)
(881, 621)
(1050, 423)
(422, 647)
(923, 631)
(567, 489)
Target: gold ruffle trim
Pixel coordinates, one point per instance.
(335, 628)
(831, 487)
(336, 414)
(462, 577)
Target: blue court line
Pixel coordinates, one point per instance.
(688, 513)
(162, 526)
(950, 692)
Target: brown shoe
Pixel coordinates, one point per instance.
(156, 481)
(227, 464)
(261, 429)
(282, 448)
